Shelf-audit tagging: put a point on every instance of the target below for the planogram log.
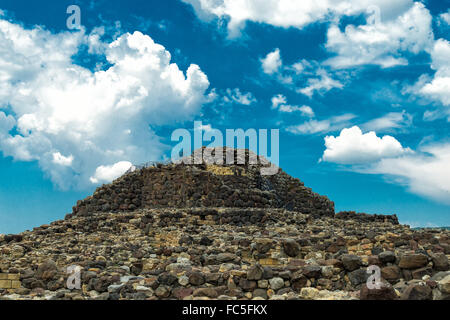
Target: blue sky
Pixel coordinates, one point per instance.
(360, 91)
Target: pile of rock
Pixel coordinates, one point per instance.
(205, 185)
(221, 232)
(226, 253)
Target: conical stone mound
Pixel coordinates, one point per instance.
(237, 185)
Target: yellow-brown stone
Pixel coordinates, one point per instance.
(269, 262)
(13, 276)
(5, 284)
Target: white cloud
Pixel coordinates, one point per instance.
(109, 173)
(272, 62)
(322, 84)
(237, 96)
(286, 13)
(58, 158)
(388, 122)
(99, 118)
(305, 110)
(6, 123)
(426, 173)
(202, 127)
(279, 102)
(354, 147)
(381, 42)
(439, 87)
(307, 77)
(445, 17)
(314, 126)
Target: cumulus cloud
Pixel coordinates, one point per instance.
(286, 13)
(353, 146)
(438, 88)
(59, 159)
(381, 42)
(109, 173)
(6, 123)
(272, 62)
(72, 120)
(445, 17)
(425, 173)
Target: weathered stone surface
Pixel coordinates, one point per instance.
(413, 261)
(181, 293)
(312, 271)
(444, 284)
(358, 277)
(387, 256)
(260, 293)
(47, 270)
(421, 272)
(385, 292)
(440, 261)
(247, 285)
(391, 273)
(196, 279)
(351, 262)
(417, 292)
(206, 292)
(291, 247)
(276, 283)
(255, 273)
(162, 291)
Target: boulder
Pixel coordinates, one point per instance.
(276, 283)
(440, 262)
(444, 284)
(417, 292)
(255, 273)
(391, 273)
(385, 292)
(413, 261)
(291, 247)
(387, 257)
(351, 262)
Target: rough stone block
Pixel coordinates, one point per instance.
(13, 276)
(268, 262)
(5, 284)
(15, 284)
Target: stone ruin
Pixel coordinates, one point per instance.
(206, 185)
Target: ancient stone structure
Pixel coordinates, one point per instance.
(205, 185)
(226, 232)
